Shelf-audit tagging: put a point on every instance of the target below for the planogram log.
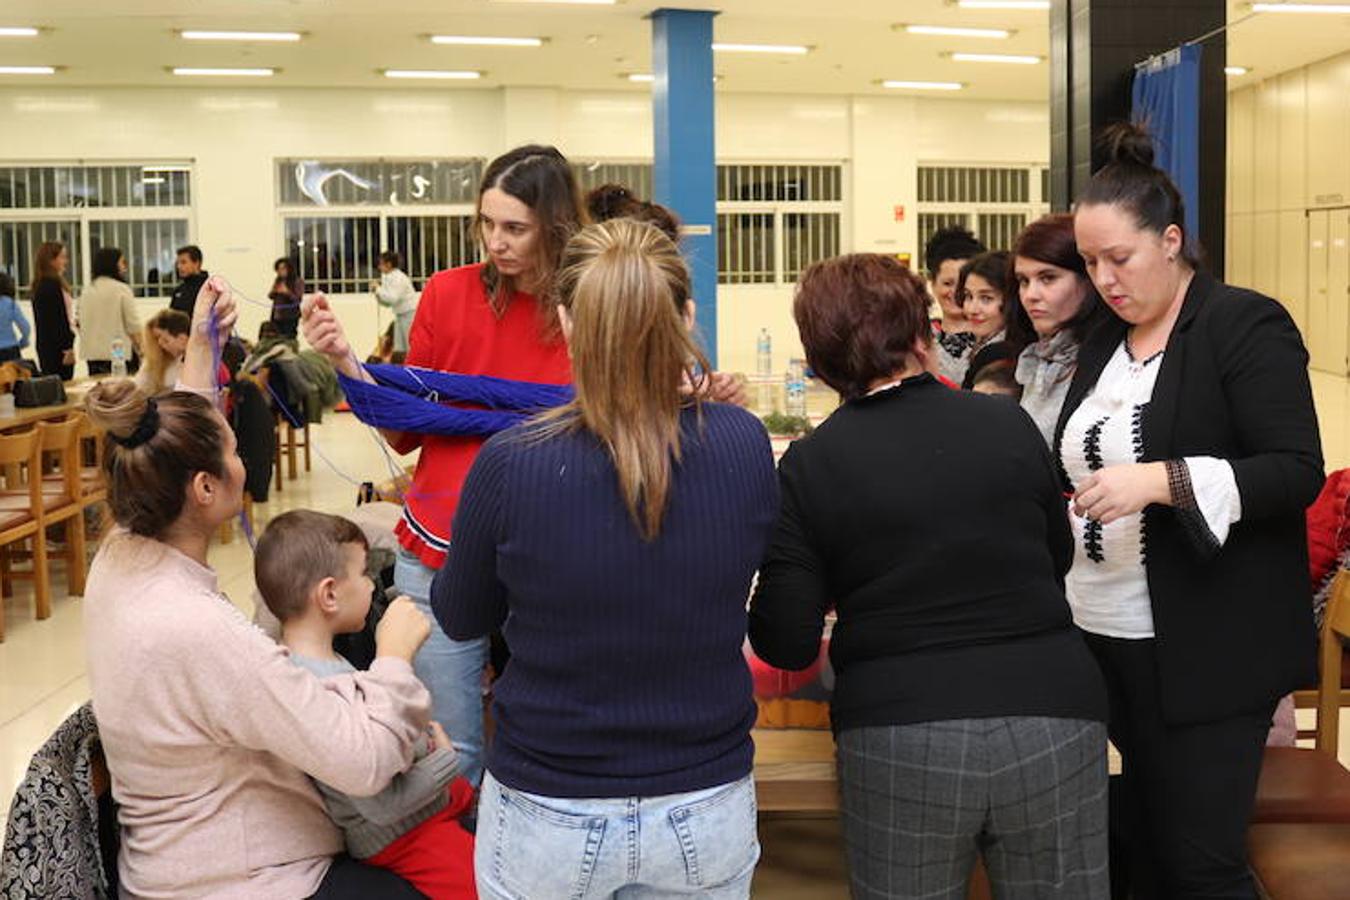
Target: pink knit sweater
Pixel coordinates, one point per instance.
(209, 731)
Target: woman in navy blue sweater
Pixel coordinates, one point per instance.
(614, 542)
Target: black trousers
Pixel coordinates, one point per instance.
(348, 879)
(1179, 819)
(10, 353)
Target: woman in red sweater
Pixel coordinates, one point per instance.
(492, 318)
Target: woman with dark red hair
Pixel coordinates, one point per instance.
(967, 709)
(1061, 306)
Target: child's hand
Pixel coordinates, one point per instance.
(439, 737)
(401, 631)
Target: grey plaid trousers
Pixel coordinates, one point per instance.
(1028, 794)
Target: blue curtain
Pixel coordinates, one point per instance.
(1166, 99)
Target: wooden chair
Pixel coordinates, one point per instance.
(1300, 846)
(1298, 785)
(63, 494)
(21, 520)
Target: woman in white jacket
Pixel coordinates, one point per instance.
(395, 290)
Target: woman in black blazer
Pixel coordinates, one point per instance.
(1190, 442)
(51, 311)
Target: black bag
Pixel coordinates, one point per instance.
(45, 390)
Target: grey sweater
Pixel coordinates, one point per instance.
(369, 824)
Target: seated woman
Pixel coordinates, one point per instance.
(967, 710)
(208, 729)
(624, 527)
(164, 344)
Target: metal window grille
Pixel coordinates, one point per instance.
(746, 248)
(780, 182)
(84, 186)
(974, 184)
(808, 238)
(429, 244)
(1045, 185)
(932, 222)
(999, 230)
(356, 182)
(335, 254)
(150, 247)
(18, 247)
(637, 177)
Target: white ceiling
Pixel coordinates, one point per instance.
(132, 42)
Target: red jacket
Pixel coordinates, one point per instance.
(455, 330)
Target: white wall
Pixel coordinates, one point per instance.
(233, 137)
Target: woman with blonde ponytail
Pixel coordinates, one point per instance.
(613, 541)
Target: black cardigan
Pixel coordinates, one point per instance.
(50, 319)
(1234, 628)
(934, 521)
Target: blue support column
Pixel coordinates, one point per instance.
(686, 166)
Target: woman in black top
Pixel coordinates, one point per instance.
(1189, 437)
(51, 311)
(968, 711)
(288, 290)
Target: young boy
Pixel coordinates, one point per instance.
(311, 571)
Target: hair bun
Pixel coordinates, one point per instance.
(117, 406)
(1128, 144)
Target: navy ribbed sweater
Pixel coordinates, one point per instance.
(627, 676)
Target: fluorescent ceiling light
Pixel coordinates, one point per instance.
(476, 41)
(923, 85)
(1235, 70)
(578, 2)
(642, 77)
(152, 179)
(225, 73)
(27, 70)
(18, 32)
(283, 36)
(949, 31)
(996, 58)
(791, 49)
(1003, 4)
(434, 74)
(1334, 8)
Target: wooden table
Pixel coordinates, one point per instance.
(27, 417)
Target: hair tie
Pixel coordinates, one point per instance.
(145, 428)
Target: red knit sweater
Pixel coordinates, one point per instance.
(455, 330)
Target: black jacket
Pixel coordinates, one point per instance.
(1233, 626)
(185, 295)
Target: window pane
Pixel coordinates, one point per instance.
(747, 244)
(19, 243)
(149, 246)
(355, 182)
(336, 255)
(808, 238)
(931, 223)
(429, 244)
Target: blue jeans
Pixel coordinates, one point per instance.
(451, 670)
(700, 844)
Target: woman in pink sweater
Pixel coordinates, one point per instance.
(209, 731)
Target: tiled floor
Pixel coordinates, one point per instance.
(42, 674)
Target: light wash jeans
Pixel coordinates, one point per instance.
(402, 330)
(451, 670)
(700, 844)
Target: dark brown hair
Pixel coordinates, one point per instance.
(541, 178)
(44, 265)
(859, 317)
(614, 201)
(147, 483)
(952, 242)
(297, 551)
(1050, 240)
(392, 258)
(1131, 181)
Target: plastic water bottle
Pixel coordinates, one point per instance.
(764, 368)
(118, 354)
(796, 388)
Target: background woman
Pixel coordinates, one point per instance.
(989, 302)
(14, 328)
(491, 318)
(288, 290)
(395, 290)
(106, 311)
(625, 527)
(1061, 307)
(946, 252)
(165, 342)
(207, 726)
(1190, 441)
(967, 711)
(53, 311)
